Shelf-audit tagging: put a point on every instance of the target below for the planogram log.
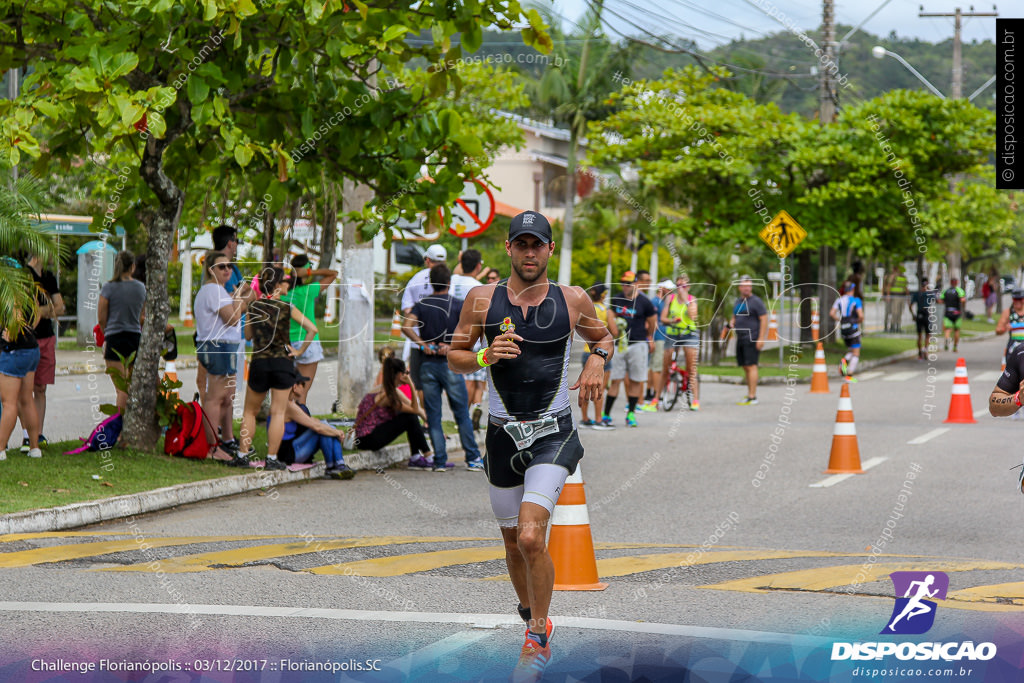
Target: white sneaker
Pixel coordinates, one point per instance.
(35, 453)
(3, 455)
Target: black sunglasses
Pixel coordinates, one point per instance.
(221, 266)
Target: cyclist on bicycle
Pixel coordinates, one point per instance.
(679, 316)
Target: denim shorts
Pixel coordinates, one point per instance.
(19, 362)
(220, 358)
(313, 354)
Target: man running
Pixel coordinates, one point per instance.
(848, 311)
(922, 308)
(953, 299)
(1012, 321)
(532, 443)
(1005, 399)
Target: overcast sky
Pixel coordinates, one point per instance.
(695, 19)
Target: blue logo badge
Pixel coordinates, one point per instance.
(914, 612)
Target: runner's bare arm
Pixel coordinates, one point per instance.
(461, 356)
(1004, 322)
(1002, 403)
(590, 327)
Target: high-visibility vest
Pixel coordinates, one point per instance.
(899, 285)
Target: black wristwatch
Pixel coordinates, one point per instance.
(601, 352)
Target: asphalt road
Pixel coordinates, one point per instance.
(708, 571)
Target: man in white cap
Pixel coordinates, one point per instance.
(416, 289)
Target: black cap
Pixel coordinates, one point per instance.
(598, 289)
(530, 223)
(1017, 294)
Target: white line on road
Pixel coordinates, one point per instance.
(869, 375)
(979, 413)
(990, 376)
(488, 621)
(929, 436)
(836, 478)
(901, 376)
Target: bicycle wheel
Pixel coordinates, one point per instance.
(671, 395)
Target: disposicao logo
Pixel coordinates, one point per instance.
(914, 614)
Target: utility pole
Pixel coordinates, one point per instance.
(826, 116)
(13, 76)
(958, 67)
(956, 94)
(827, 109)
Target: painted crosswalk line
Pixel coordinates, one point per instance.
(832, 578)
(61, 553)
(836, 478)
(901, 376)
(241, 556)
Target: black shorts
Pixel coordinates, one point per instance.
(272, 373)
(415, 358)
(923, 325)
(747, 352)
(125, 343)
(506, 465)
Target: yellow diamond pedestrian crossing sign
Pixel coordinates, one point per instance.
(783, 234)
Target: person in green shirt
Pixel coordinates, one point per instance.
(307, 285)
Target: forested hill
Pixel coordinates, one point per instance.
(778, 66)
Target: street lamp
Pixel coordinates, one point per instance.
(880, 52)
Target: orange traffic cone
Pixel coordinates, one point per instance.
(845, 455)
(819, 380)
(960, 411)
(1002, 368)
(189, 321)
(396, 326)
(171, 374)
(570, 543)
(773, 328)
(815, 325)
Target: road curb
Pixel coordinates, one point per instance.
(864, 365)
(106, 509)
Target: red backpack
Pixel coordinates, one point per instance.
(190, 435)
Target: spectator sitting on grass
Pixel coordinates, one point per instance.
(304, 435)
(386, 413)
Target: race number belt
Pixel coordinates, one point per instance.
(525, 432)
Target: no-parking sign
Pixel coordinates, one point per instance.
(473, 212)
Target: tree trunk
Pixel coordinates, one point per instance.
(330, 227)
(268, 236)
(565, 254)
(806, 275)
(141, 428)
(356, 364)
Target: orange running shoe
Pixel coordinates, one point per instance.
(533, 658)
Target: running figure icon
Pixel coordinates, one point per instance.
(915, 606)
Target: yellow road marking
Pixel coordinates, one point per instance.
(240, 556)
(7, 538)
(623, 566)
(1011, 592)
(824, 578)
(59, 553)
(420, 562)
(618, 546)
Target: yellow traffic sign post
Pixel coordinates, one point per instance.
(782, 235)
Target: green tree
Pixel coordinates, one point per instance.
(575, 94)
(173, 88)
(21, 201)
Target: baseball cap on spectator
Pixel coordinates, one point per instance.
(667, 284)
(746, 278)
(597, 290)
(628, 277)
(530, 223)
(437, 253)
(1017, 294)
